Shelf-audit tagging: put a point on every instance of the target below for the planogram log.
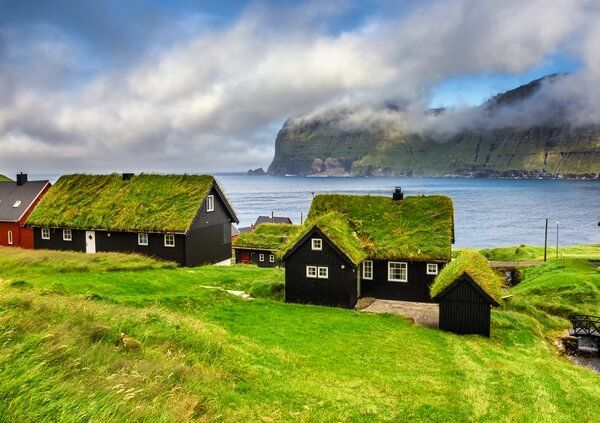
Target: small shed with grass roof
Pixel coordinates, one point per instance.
(260, 247)
(180, 218)
(466, 289)
(362, 245)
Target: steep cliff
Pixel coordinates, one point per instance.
(322, 146)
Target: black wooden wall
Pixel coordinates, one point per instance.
(255, 257)
(56, 240)
(339, 290)
(416, 289)
(127, 242)
(209, 237)
(464, 310)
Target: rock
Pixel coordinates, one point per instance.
(127, 343)
(256, 172)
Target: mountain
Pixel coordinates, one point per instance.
(325, 145)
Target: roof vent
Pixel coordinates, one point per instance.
(128, 176)
(398, 195)
(21, 179)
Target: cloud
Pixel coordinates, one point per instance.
(210, 97)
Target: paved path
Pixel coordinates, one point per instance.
(424, 314)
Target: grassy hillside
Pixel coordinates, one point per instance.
(527, 252)
(194, 353)
(4, 178)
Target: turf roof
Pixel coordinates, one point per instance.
(4, 178)
(476, 266)
(267, 236)
(146, 202)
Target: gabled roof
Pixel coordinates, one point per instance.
(275, 219)
(234, 230)
(23, 196)
(474, 265)
(144, 203)
(417, 228)
(268, 236)
(335, 227)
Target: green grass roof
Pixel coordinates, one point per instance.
(267, 236)
(147, 202)
(476, 266)
(417, 228)
(4, 178)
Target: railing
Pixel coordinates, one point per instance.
(585, 325)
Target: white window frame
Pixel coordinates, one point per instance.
(311, 272)
(261, 257)
(140, 242)
(169, 237)
(46, 233)
(210, 203)
(271, 258)
(368, 276)
(402, 265)
(325, 274)
(10, 238)
(435, 269)
(316, 244)
(69, 233)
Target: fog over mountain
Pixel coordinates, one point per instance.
(85, 87)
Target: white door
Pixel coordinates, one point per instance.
(90, 242)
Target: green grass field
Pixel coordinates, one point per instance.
(203, 355)
(527, 253)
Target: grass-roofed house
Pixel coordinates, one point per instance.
(260, 247)
(466, 289)
(360, 245)
(180, 218)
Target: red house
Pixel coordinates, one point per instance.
(17, 201)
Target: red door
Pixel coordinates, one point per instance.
(245, 257)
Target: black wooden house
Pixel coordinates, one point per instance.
(180, 218)
(466, 290)
(260, 247)
(354, 246)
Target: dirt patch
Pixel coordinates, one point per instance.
(424, 314)
(363, 303)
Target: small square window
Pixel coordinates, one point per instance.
(317, 244)
(261, 257)
(397, 272)
(45, 233)
(169, 240)
(271, 258)
(311, 271)
(323, 272)
(210, 203)
(143, 239)
(67, 235)
(432, 268)
(17, 204)
(10, 238)
(368, 270)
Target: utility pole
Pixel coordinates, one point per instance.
(557, 226)
(546, 242)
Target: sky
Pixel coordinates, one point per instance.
(195, 86)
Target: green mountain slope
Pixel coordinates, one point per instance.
(320, 146)
(4, 178)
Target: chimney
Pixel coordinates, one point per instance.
(398, 195)
(272, 217)
(21, 179)
(128, 176)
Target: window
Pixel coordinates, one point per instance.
(311, 271)
(67, 235)
(397, 272)
(10, 238)
(271, 258)
(432, 268)
(169, 240)
(261, 257)
(323, 272)
(210, 203)
(368, 270)
(45, 233)
(143, 239)
(17, 204)
(317, 244)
